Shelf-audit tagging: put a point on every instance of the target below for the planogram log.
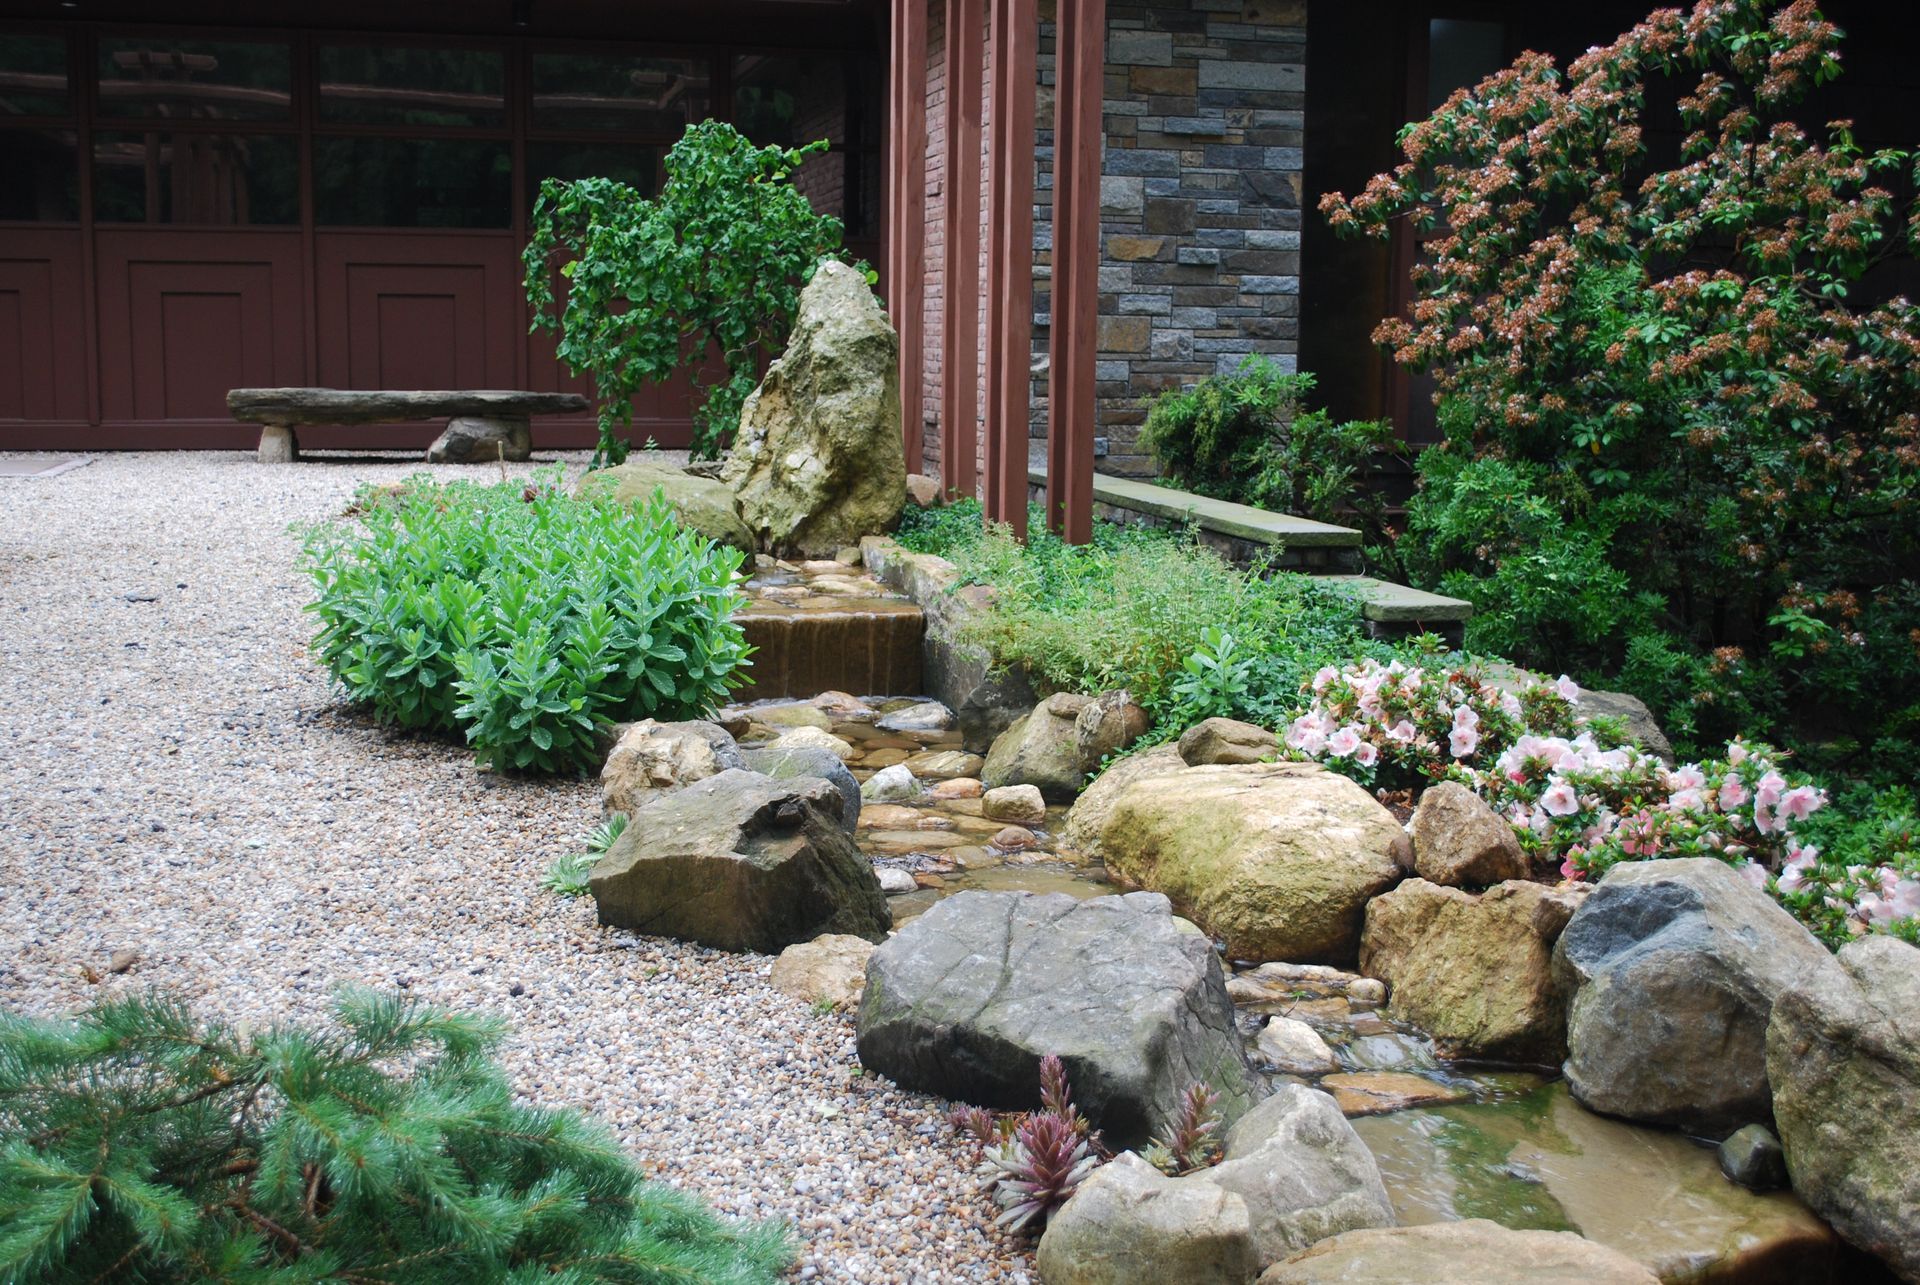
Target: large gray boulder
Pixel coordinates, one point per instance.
(818, 461)
(1672, 968)
(742, 862)
(785, 762)
(1042, 750)
(1294, 1172)
(1843, 1057)
(652, 758)
(699, 503)
(1473, 1249)
(967, 998)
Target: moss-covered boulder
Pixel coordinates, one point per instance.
(1277, 859)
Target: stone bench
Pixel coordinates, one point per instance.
(482, 424)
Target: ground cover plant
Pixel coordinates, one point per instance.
(1682, 414)
(522, 618)
(1247, 435)
(138, 1143)
(708, 269)
(1147, 610)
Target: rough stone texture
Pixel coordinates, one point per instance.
(831, 967)
(1129, 1223)
(1277, 859)
(1113, 721)
(944, 765)
(1641, 725)
(653, 758)
(1094, 808)
(292, 407)
(786, 763)
(1375, 1092)
(1226, 740)
(1475, 1250)
(893, 784)
(1459, 841)
(701, 503)
(1041, 750)
(927, 716)
(1303, 1172)
(478, 439)
(1474, 971)
(278, 445)
(924, 491)
(812, 738)
(793, 714)
(1843, 1056)
(818, 462)
(1752, 1157)
(1672, 968)
(1020, 804)
(966, 999)
(742, 862)
(1295, 1048)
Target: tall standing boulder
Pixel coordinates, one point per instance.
(967, 998)
(741, 861)
(1277, 859)
(1672, 968)
(818, 461)
(1843, 1057)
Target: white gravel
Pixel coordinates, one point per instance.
(177, 779)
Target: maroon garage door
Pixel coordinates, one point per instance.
(191, 209)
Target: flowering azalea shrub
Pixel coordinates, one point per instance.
(1682, 413)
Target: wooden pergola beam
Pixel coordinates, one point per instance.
(1080, 60)
(1015, 38)
(907, 216)
(960, 333)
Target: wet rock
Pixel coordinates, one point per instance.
(1277, 859)
(831, 967)
(652, 758)
(843, 707)
(1041, 750)
(1475, 1250)
(700, 503)
(959, 787)
(1113, 721)
(1367, 990)
(812, 738)
(1295, 1048)
(890, 785)
(927, 716)
(895, 816)
(1459, 841)
(944, 765)
(1672, 968)
(783, 763)
(1131, 1223)
(795, 714)
(740, 861)
(1843, 1056)
(1474, 971)
(895, 882)
(818, 460)
(966, 1000)
(1014, 838)
(1374, 1092)
(1094, 808)
(1020, 804)
(1751, 1156)
(1226, 740)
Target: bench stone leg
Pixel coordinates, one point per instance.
(482, 439)
(278, 444)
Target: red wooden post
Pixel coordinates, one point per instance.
(907, 222)
(1010, 262)
(1080, 60)
(960, 346)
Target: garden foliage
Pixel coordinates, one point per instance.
(710, 267)
(139, 1144)
(1247, 436)
(1682, 417)
(1147, 610)
(524, 618)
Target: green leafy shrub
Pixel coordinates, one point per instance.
(1672, 388)
(1247, 436)
(713, 265)
(139, 1144)
(523, 618)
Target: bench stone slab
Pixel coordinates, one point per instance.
(292, 407)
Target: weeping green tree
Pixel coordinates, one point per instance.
(713, 264)
(137, 1144)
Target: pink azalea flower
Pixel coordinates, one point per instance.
(1401, 731)
(1465, 717)
(1754, 873)
(1733, 793)
(1568, 689)
(1343, 742)
(1762, 817)
(1792, 879)
(1686, 801)
(1367, 754)
(1689, 777)
(1324, 677)
(1771, 787)
(1560, 800)
(1462, 741)
(1801, 802)
(1906, 899)
(1305, 735)
(1736, 753)
(1568, 870)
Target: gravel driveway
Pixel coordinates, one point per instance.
(177, 780)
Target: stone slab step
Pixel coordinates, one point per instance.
(1386, 603)
(1239, 521)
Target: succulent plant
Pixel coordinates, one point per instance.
(1038, 1169)
(1194, 1142)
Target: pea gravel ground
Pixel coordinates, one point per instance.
(177, 780)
